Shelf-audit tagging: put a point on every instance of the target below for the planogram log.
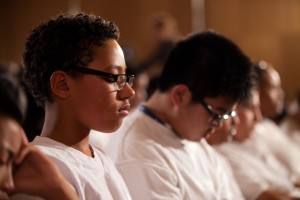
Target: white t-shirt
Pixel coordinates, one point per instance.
(292, 128)
(281, 146)
(255, 167)
(156, 164)
(92, 178)
(98, 139)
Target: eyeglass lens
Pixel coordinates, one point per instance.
(217, 118)
(122, 79)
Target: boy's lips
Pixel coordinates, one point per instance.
(124, 109)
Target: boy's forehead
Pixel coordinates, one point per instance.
(221, 103)
(108, 56)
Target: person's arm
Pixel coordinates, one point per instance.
(297, 183)
(37, 175)
(273, 195)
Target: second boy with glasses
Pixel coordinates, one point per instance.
(160, 150)
(217, 118)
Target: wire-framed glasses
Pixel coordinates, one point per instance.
(119, 80)
(217, 118)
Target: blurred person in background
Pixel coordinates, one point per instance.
(164, 31)
(272, 96)
(34, 115)
(14, 71)
(291, 124)
(23, 168)
(257, 171)
(271, 104)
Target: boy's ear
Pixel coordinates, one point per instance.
(181, 95)
(59, 84)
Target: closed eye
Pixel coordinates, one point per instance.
(109, 80)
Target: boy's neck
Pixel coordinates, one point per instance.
(65, 131)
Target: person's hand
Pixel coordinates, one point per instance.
(297, 183)
(37, 175)
(272, 194)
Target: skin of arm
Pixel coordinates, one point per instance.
(274, 195)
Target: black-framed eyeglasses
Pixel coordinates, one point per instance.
(217, 118)
(119, 80)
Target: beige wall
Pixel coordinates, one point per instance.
(18, 17)
(264, 29)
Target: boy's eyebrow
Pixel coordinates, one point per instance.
(117, 67)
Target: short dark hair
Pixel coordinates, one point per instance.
(210, 65)
(63, 42)
(11, 102)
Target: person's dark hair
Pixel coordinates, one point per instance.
(11, 99)
(247, 102)
(210, 65)
(60, 44)
(152, 86)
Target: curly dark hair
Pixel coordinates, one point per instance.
(59, 44)
(211, 65)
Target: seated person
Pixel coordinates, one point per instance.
(75, 69)
(23, 168)
(257, 171)
(164, 34)
(291, 124)
(271, 104)
(160, 149)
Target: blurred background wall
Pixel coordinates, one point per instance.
(263, 29)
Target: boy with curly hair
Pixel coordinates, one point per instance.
(75, 69)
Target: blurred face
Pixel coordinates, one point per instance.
(197, 120)
(10, 143)
(271, 94)
(224, 133)
(140, 87)
(249, 115)
(94, 101)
